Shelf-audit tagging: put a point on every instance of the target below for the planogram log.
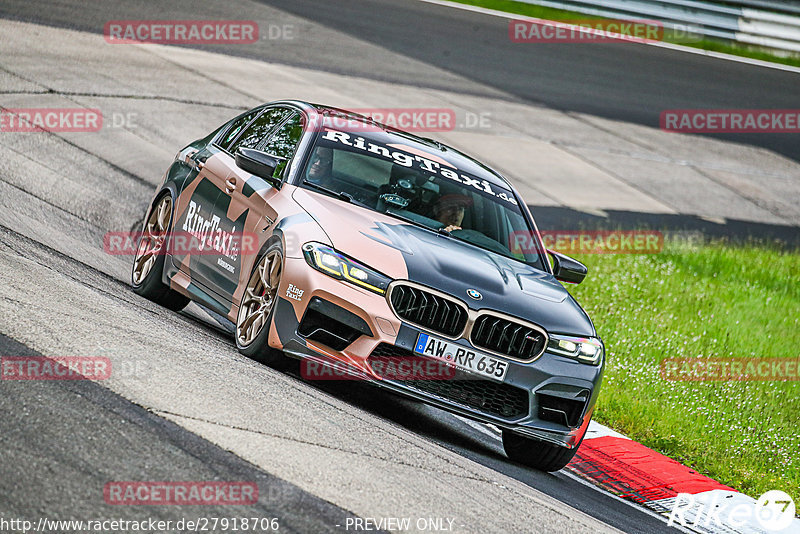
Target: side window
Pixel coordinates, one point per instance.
(236, 127)
(284, 141)
(259, 129)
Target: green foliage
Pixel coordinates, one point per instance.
(711, 301)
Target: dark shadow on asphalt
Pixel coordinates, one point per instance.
(619, 81)
(77, 435)
(456, 436)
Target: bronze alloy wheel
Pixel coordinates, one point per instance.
(152, 242)
(259, 298)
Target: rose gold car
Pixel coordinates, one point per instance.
(371, 253)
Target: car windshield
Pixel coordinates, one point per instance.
(386, 173)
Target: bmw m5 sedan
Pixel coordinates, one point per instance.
(325, 236)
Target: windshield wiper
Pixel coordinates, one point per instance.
(341, 195)
(406, 219)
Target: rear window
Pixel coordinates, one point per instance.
(259, 129)
(236, 128)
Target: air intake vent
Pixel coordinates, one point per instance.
(559, 410)
(332, 325)
(512, 339)
(428, 310)
(484, 396)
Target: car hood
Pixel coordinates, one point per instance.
(404, 251)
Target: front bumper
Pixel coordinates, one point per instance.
(549, 381)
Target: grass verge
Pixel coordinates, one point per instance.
(715, 300)
(530, 10)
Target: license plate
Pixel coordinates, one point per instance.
(460, 357)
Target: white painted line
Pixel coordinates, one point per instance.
(596, 430)
(660, 44)
(632, 504)
(495, 433)
(696, 516)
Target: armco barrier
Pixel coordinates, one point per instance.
(774, 25)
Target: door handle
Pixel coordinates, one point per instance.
(230, 185)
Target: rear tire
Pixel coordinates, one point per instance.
(148, 264)
(537, 454)
(258, 306)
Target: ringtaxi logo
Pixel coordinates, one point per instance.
(730, 369)
(731, 120)
(585, 31)
(55, 368)
(51, 120)
(774, 511)
(180, 493)
(589, 242)
(181, 31)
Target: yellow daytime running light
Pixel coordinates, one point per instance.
(340, 268)
(326, 261)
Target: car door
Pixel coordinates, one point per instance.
(223, 264)
(209, 259)
(196, 221)
(252, 202)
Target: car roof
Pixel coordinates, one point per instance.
(457, 158)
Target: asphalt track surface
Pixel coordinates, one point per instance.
(366, 37)
(59, 435)
(67, 439)
(64, 440)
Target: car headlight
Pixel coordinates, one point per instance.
(327, 260)
(585, 350)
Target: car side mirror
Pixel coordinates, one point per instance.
(567, 269)
(259, 163)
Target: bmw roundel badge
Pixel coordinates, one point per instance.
(474, 294)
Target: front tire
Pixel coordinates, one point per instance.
(537, 454)
(258, 306)
(148, 264)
